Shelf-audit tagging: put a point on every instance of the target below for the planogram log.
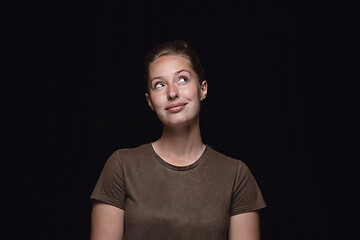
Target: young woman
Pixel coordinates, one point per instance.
(176, 187)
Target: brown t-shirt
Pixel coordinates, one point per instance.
(163, 201)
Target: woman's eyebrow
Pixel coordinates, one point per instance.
(155, 78)
(178, 72)
(183, 70)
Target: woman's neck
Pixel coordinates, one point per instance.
(180, 145)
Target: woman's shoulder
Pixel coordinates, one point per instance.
(132, 151)
(224, 159)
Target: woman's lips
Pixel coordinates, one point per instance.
(174, 108)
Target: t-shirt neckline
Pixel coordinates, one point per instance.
(174, 167)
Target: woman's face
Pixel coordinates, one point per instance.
(174, 90)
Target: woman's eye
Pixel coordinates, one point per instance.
(158, 85)
(182, 80)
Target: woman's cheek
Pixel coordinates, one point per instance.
(191, 93)
(156, 101)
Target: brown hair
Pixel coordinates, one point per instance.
(178, 48)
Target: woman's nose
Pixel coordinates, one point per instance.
(172, 92)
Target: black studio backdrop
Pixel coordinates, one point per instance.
(282, 98)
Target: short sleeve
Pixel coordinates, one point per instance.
(110, 187)
(246, 195)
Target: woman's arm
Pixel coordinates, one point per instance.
(245, 226)
(107, 222)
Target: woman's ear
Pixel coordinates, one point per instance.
(203, 90)
(149, 101)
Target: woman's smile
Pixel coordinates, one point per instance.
(176, 107)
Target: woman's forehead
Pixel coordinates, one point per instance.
(169, 65)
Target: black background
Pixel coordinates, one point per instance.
(282, 98)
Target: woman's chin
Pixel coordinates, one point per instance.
(179, 122)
